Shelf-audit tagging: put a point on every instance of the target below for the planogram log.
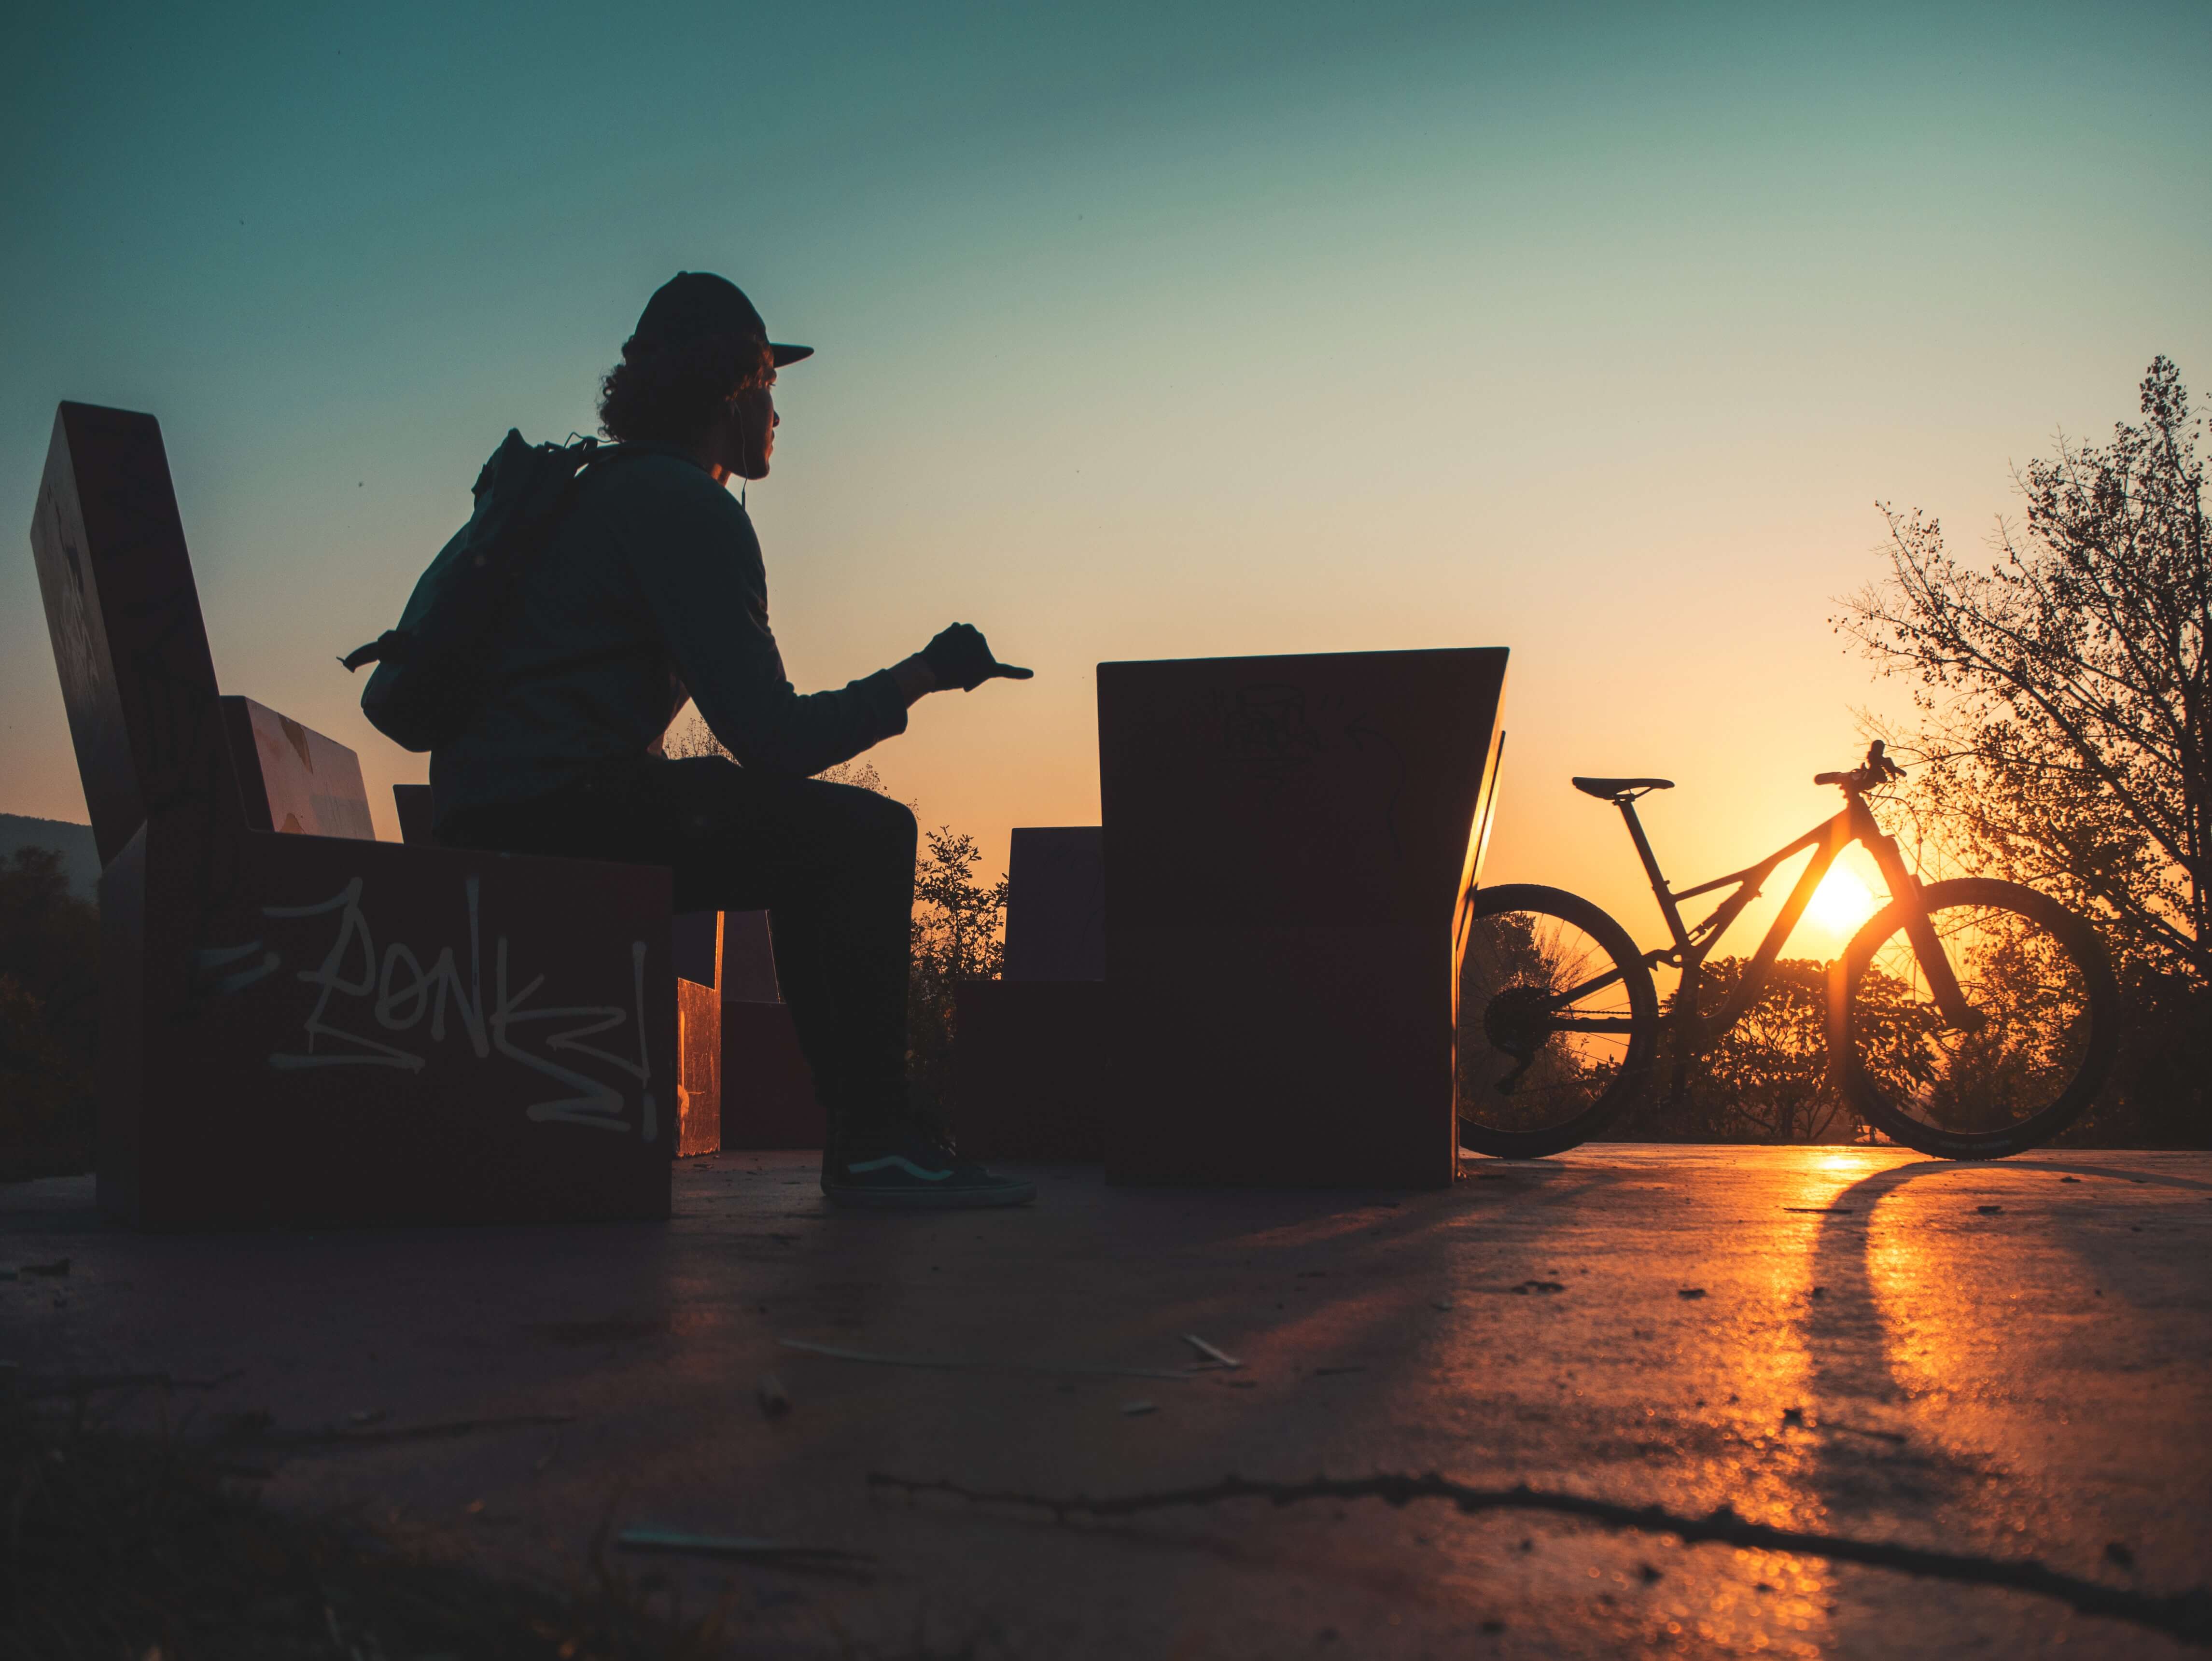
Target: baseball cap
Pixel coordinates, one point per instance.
(693, 304)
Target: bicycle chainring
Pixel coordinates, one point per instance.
(1518, 1019)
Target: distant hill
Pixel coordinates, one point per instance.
(80, 854)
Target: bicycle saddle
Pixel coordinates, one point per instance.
(1612, 790)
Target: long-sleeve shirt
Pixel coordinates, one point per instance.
(651, 589)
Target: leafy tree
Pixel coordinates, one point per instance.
(958, 935)
(2064, 711)
(2063, 722)
(1766, 1078)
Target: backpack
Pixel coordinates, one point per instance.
(430, 669)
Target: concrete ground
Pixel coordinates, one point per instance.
(2001, 1361)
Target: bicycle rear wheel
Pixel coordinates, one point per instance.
(2038, 977)
(1558, 1022)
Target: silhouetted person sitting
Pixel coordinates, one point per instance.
(651, 590)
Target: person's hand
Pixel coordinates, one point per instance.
(961, 657)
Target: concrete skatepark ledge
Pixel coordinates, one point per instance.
(1998, 1363)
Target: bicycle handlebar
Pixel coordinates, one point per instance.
(1876, 769)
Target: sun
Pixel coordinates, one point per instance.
(1841, 903)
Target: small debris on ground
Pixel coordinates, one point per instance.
(1794, 1415)
(1691, 1292)
(1527, 1286)
(2118, 1554)
(1439, 1303)
(1138, 1409)
(1649, 1574)
(774, 1401)
(1210, 1354)
(1820, 1291)
(1988, 1210)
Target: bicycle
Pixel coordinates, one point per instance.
(1969, 1019)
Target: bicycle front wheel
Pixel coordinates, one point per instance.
(1558, 1022)
(2038, 981)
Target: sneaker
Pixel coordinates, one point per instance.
(918, 1172)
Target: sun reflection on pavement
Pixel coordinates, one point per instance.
(1776, 1603)
(1855, 1161)
(1795, 1346)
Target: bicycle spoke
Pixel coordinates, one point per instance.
(1573, 994)
(1545, 1023)
(2034, 1004)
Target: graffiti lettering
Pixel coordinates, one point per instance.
(398, 994)
(331, 976)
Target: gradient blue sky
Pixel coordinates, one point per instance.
(1589, 330)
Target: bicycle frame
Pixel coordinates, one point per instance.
(1694, 943)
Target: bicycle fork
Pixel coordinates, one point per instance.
(1904, 888)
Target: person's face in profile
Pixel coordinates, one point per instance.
(756, 421)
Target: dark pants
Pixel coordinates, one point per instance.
(833, 866)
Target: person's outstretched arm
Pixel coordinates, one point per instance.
(702, 577)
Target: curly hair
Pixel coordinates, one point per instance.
(673, 392)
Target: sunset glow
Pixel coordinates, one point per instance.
(1250, 346)
(1262, 828)
(1841, 903)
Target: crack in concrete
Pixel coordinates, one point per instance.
(2186, 1615)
